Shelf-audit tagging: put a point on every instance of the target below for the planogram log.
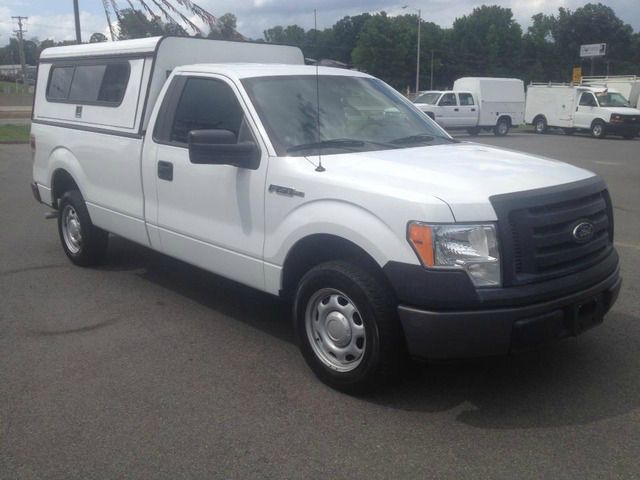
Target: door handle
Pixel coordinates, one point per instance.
(165, 170)
(456, 109)
(473, 109)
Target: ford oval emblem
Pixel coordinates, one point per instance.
(582, 232)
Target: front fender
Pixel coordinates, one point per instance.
(341, 219)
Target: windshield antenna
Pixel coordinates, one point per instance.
(319, 168)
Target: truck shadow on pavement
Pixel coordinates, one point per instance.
(576, 381)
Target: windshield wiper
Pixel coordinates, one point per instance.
(338, 143)
(419, 138)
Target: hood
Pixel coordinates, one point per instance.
(462, 175)
(623, 110)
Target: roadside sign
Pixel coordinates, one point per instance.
(577, 75)
(593, 50)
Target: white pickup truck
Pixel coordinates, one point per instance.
(476, 104)
(326, 187)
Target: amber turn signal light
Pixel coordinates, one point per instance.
(421, 239)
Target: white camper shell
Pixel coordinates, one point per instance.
(497, 97)
(599, 110)
(114, 85)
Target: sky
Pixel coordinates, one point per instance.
(54, 18)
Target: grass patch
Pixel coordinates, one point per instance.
(12, 87)
(14, 133)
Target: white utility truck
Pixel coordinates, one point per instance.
(324, 186)
(627, 85)
(475, 104)
(596, 109)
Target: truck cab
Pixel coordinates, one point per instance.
(449, 109)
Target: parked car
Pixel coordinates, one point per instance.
(475, 104)
(326, 187)
(599, 110)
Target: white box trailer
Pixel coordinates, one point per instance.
(497, 97)
(599, 110)
(627, 85)
(143, 65)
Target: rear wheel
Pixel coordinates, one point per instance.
(540, 125)
(347, 327)
(84, 243)
(598, 129)
(502, 127)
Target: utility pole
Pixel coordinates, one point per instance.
(418, 56)
(20, 35)
(431, 86)
(76, 13)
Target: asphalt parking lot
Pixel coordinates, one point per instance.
(150, 368)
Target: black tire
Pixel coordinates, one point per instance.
(540, 125)
(473, 131)
(502, 127)
(90, 246)
(598, 129)
(382, 344)
(568, 131)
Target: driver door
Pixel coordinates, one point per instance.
(585, 111)
(448, 110)
(209, 215)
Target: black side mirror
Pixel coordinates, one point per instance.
(220, 147)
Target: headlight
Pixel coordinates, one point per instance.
(615, 118)
(472, 248)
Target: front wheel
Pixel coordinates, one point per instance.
(347, 327)
(84, 243)
(598, 129)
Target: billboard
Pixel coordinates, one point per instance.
(593, 50)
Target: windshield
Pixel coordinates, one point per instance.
(428, 98)
(611, 99)
(356, 114)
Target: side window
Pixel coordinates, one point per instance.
(86, 83)
(103, 84)
(465, 99)
(448, 100)
(59, 83)
(587, 100)
(206, 104)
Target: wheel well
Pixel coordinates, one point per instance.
(316, 249)
(597, 120)
(61, 182)
(507, 117)
(538, 117)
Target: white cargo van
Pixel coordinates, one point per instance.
(599, 110)
(477, 103)
(324, 186)
(627, 85)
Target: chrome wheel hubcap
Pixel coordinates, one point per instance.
(335, 329)
(71, 229)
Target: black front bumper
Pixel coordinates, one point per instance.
(625, 129)
(451, 334)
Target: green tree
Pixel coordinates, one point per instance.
(97, 37)
(486, 42)
(225, 28)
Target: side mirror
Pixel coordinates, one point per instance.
(220, 147)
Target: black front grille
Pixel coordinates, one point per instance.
(536, 230)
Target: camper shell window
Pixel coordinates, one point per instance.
(89, 83)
